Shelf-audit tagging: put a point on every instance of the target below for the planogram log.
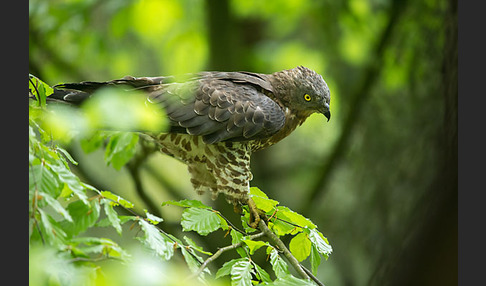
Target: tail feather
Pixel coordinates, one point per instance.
(76, 93)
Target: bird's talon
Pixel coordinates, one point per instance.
(254, 216)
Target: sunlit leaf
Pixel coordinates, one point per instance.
(279, 266)
(51, 230)
(300, 246)
(290, 280)
(288, 215)
(240, 273)
(112, 216)
(42, 179)
(117, 199)
(263, 275)
(321, 243)
(112, 108)
(156, 241)
(237, 237)
(261, 200)
(84, 216)
(56, 205)
(254, 245)
(39, 89)
(153, 219)
(200, 220)
(64, 122)
(315, 259)
(187, 204)
(70, 180)
(281, 228)
(120, 149)
(226, 268)
(195, 246)
(191, 261)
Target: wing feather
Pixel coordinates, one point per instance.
(222, 106)
(219, 106)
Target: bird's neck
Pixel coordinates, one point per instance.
(282, 82)
(292, 121)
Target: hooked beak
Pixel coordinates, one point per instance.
(327, 114)
(326, 111)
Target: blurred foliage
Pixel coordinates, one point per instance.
(377, 177)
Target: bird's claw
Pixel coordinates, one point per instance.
(254, 215)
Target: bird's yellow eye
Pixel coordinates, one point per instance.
(307, 97)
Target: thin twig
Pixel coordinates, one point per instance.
(314, 278)
(230, 223)
(304, 272)
(133, 168)
(280, 245)
(219, 252)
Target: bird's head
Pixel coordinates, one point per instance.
(305, 91)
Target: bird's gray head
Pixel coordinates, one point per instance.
(304, 91)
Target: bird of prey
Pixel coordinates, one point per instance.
(218, 119)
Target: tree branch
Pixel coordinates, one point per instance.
(133, 168)
(280, 245)
(219, 252)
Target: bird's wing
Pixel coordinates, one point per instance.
(220, 107)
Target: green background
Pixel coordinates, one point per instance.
(379, 179)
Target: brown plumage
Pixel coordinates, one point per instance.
(219, 118)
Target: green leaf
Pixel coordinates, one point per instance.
(113, 108)
(254, 245)
(240, 273)
(321, 243)
(200, 220)
(261, 200)
(120, 149)
(226, 268)
(191, 261)
(117, 199)
(44, 180)
(52, 232)
(56, 205)
(287, 214)
(245, 221)
(70, 180)
(39, 89)
(281, 228)
(156, 241)
(67, 155)
(290, 280)
(112, 215)
(279, 266)
(300, 246)
(83, 215)
(196, 247)
(315, 259)
(187, 204)
(255, 191)
(153, 219)
(237, 237)
(93, 142)
(99, 245)
(262, 274)
(64, 122)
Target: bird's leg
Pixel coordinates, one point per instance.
(254, 216)
(237, 208)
